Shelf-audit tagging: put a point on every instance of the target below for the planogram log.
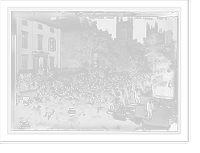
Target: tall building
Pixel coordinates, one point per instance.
(124, 31)
(168, 37)
(151, 30)
(138, 48)
(37, 45)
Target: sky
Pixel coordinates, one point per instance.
(139, 26)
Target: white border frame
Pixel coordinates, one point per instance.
(183, 136)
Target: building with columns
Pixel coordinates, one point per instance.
(38, 43)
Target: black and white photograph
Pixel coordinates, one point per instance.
(94, 71)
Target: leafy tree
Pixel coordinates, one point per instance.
(92, 43)
(157, 59)
(70, 44)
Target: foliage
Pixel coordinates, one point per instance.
(81, 45)
(70, 44)
(157, 59)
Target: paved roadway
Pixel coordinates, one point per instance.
(160, 115)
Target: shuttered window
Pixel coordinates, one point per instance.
(40, 42)
(25, 22)
(40, 26)
(24, 39)
(52, 30)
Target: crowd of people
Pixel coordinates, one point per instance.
(80, 102)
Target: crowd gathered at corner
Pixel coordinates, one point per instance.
(80, 102)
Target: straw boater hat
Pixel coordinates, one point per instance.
(71, 111)
(109, 112)
(127, 115)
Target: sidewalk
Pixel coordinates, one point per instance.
(160, 115)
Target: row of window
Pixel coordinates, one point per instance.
(24, 62)
(51, 42)
(40, 26)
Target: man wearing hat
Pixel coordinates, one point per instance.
(72, 118)
(110, 124)
(149, 108)
(123, 97)
(25, 110)
(36, 111)
(50, 118)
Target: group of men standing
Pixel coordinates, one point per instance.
(116, 89)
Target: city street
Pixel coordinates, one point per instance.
(160, 115)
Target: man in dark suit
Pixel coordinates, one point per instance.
(111, 100)
(123, 97)
(25, 110)
(49, 118)
(102, 113)
(94, 122)
(149, 108)
(137, 96)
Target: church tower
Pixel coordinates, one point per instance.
(124, 31)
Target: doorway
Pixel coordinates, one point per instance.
(41, 62)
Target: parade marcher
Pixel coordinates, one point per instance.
(128, 93)
(94, 122)
(117, 96)
(137, 95)
(39, 91)
(102, 112)
(123, 97)
(110, 124)
(72, 119)
(25, 110)
(150, 108)
(111, 100)
(49, 118)
(36, 112)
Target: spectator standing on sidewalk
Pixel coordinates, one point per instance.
(137, 95)
(150, 108)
